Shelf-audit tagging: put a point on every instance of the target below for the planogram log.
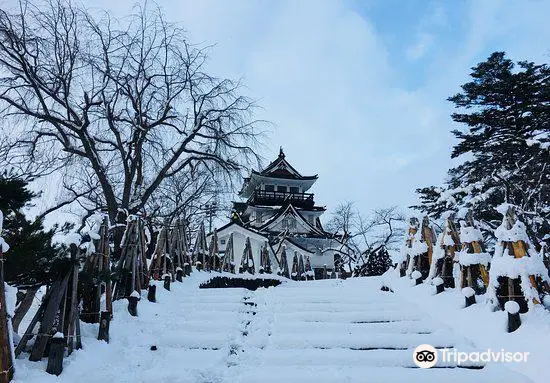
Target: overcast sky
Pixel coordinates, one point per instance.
(356, 90)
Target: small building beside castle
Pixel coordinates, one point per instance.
(278, 209)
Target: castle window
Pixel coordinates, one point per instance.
(269, 188)
(294, 189)
(281, 189)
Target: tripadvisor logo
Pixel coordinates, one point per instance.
(425, 356)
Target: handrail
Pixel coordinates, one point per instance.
(279, 196)
(282, 195)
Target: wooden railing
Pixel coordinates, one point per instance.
(262, 197)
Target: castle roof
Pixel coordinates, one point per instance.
(279, 169)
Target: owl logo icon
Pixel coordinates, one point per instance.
(425, 356)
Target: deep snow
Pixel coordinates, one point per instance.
(320, 331)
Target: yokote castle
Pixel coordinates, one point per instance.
(278, 210)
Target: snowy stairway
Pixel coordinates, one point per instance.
(194, 331)
(328, 331)
(307, 332)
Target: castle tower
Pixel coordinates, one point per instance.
(277, 207)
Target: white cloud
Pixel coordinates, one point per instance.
(323, 76)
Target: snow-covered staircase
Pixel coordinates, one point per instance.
(330, 331)
(321, 331)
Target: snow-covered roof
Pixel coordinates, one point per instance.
(290, 210)
(281, 169)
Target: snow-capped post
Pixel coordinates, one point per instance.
(167, 279)
(517, 271)
(514, 321)
(325, 272)
(104, 324)
(55, 355)
(439, 285)
(469, 296)
(6, 343)
(423, 248)
(179, 274)
(132, 303)
(417, 277)
(152, 292)
(443, 258)
(472, 257)
(406, 263)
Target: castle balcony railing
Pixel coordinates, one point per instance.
(271, 198)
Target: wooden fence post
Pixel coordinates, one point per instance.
(104, 323)
(167, 280)
(58, 290)
(417, 277)
(151, 293)
(179, 274)
(439, 285)
(514, 321)
(55, 356)
(132, 303)
(469, 296)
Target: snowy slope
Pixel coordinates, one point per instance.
(487, 329)
(321, 331)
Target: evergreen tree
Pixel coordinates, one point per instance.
(31, 260)
(378, 262)
(505, 141)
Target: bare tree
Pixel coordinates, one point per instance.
(362, 235)
(123, 108)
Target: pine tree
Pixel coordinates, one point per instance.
(505, 139)
(31, 260)
(378, 262)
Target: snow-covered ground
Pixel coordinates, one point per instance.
(320, 331)
(485, 328)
